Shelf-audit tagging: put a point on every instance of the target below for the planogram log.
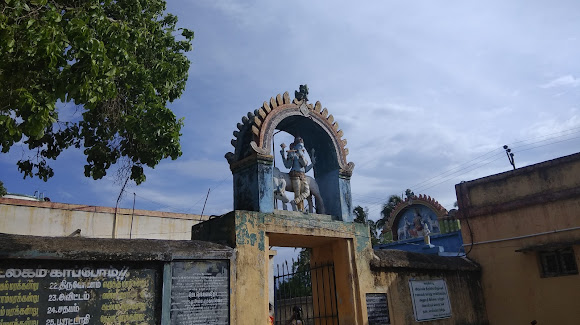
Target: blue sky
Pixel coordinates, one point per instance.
(418, 87)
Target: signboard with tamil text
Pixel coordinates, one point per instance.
(200, 292)
(430, 299)
(77, 292)
(377, 309)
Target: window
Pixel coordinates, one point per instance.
(558, 262)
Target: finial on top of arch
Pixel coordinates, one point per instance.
(302, 94)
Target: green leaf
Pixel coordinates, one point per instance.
(118, 61)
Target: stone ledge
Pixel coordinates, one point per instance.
(301, 215)
(90, 249)
(397, 259)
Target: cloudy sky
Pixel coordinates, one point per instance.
(426, 92)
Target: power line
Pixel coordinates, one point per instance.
(454, 168)
(526, 149)
(468, 166)
(434, 180)
(162, 205)
(458, 172)
(448, 179)
(549, 134)
(430, 183)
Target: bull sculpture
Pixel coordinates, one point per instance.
(282, 184)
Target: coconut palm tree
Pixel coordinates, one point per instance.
(388, 207)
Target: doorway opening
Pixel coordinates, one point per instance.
(304, 291)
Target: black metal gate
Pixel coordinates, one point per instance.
(306, 293)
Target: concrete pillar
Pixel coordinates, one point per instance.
(253, 188)
(340, 252)
(250, 272)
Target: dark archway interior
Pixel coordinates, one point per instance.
(314, 138)
(326, 167)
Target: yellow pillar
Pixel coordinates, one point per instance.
(250, 286)
(339, 252)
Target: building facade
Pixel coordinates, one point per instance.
(523, 228)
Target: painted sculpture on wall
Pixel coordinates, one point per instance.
(303, 186)
(417, 216)
(417, 221)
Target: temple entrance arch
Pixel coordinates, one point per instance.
(254, 226)
(251, 161)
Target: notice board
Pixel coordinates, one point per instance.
(430, 299)
(377, 309)
(73, 292)
(200, 292)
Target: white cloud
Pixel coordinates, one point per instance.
(550, 130)
(564, 81)
(207, 169)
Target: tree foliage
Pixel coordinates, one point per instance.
(119, 62)
(2, 189)
(388, 207)
(298, 283)
(386, 211)
(362, 216)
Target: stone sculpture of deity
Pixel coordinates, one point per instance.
(298, 166)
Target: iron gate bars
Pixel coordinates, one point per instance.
(307, 293)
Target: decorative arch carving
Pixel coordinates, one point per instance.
(424, 200)
(252, 160)
(255, 134)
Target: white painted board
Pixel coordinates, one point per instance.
(430, 299)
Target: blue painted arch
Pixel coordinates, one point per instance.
(253, 145)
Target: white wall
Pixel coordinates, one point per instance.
(23, 217)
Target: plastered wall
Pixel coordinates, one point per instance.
(391, 271)
(22, 217)
(507, 219)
